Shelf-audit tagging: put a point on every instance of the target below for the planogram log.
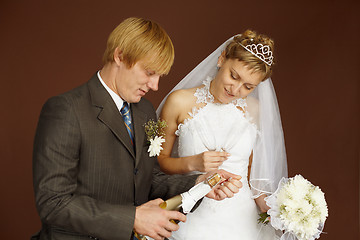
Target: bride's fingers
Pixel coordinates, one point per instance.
(223, 155)
(219, 154)
(214, 165)
(217, 158)
(212, 168)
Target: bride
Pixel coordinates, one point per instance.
(224, 114)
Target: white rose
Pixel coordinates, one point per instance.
(155, 146)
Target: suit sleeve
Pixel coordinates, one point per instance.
(55, 167)
(166, 186)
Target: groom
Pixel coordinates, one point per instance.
(93, 176)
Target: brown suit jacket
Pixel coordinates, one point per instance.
(88, 178)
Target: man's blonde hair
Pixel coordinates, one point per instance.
(141, 39)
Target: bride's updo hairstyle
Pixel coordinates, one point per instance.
(262, 45)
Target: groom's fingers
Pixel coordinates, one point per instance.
(170, 226)
(220, 195)
(175, 215)
(229, 188)
(233, 186)
(227, 175)
(153, 221)
(233, 182)
(165, 229)
(158, 237)
(237, 183)
(163, 233)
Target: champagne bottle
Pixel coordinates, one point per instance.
(186, 201)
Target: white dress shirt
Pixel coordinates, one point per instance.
(117, 99)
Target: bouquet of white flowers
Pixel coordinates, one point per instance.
(298, 208)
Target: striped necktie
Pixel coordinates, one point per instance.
(125, 112)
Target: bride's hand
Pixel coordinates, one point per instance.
(208, 161)
(260, 201)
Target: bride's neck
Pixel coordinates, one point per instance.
(212, 90)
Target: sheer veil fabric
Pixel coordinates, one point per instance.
(269, 157)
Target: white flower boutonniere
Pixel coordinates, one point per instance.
(155, 146)
(298, 208)
(155, 135)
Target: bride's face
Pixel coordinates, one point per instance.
(234, 80)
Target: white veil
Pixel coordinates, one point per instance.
(269, 157)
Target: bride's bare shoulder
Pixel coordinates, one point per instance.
(179, 104)
(182, 97)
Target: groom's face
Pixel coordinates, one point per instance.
(132, 83)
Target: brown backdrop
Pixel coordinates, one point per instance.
(48, 47)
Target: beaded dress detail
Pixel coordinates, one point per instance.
(221, 127)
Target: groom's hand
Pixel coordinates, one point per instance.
(229, 185)
(153, 221)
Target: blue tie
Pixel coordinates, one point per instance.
(125, 112)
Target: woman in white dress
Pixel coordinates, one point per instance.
(230, 122)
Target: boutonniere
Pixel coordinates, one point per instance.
(155, 132)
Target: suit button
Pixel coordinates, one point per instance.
(136, 171)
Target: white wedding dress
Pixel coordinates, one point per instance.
(222, 127)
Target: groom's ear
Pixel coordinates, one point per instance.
(118, 56)
(221, 59)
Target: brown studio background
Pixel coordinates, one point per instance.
(48, 47)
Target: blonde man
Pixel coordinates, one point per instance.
(93, 177)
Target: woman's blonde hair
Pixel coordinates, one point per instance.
(141, 39)
(236, 50)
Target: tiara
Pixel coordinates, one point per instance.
(260, 51)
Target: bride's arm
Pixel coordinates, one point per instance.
(260, 202)
(176, 106)
(171, 112)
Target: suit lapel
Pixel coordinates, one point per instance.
(139, 118)
(108, 113)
